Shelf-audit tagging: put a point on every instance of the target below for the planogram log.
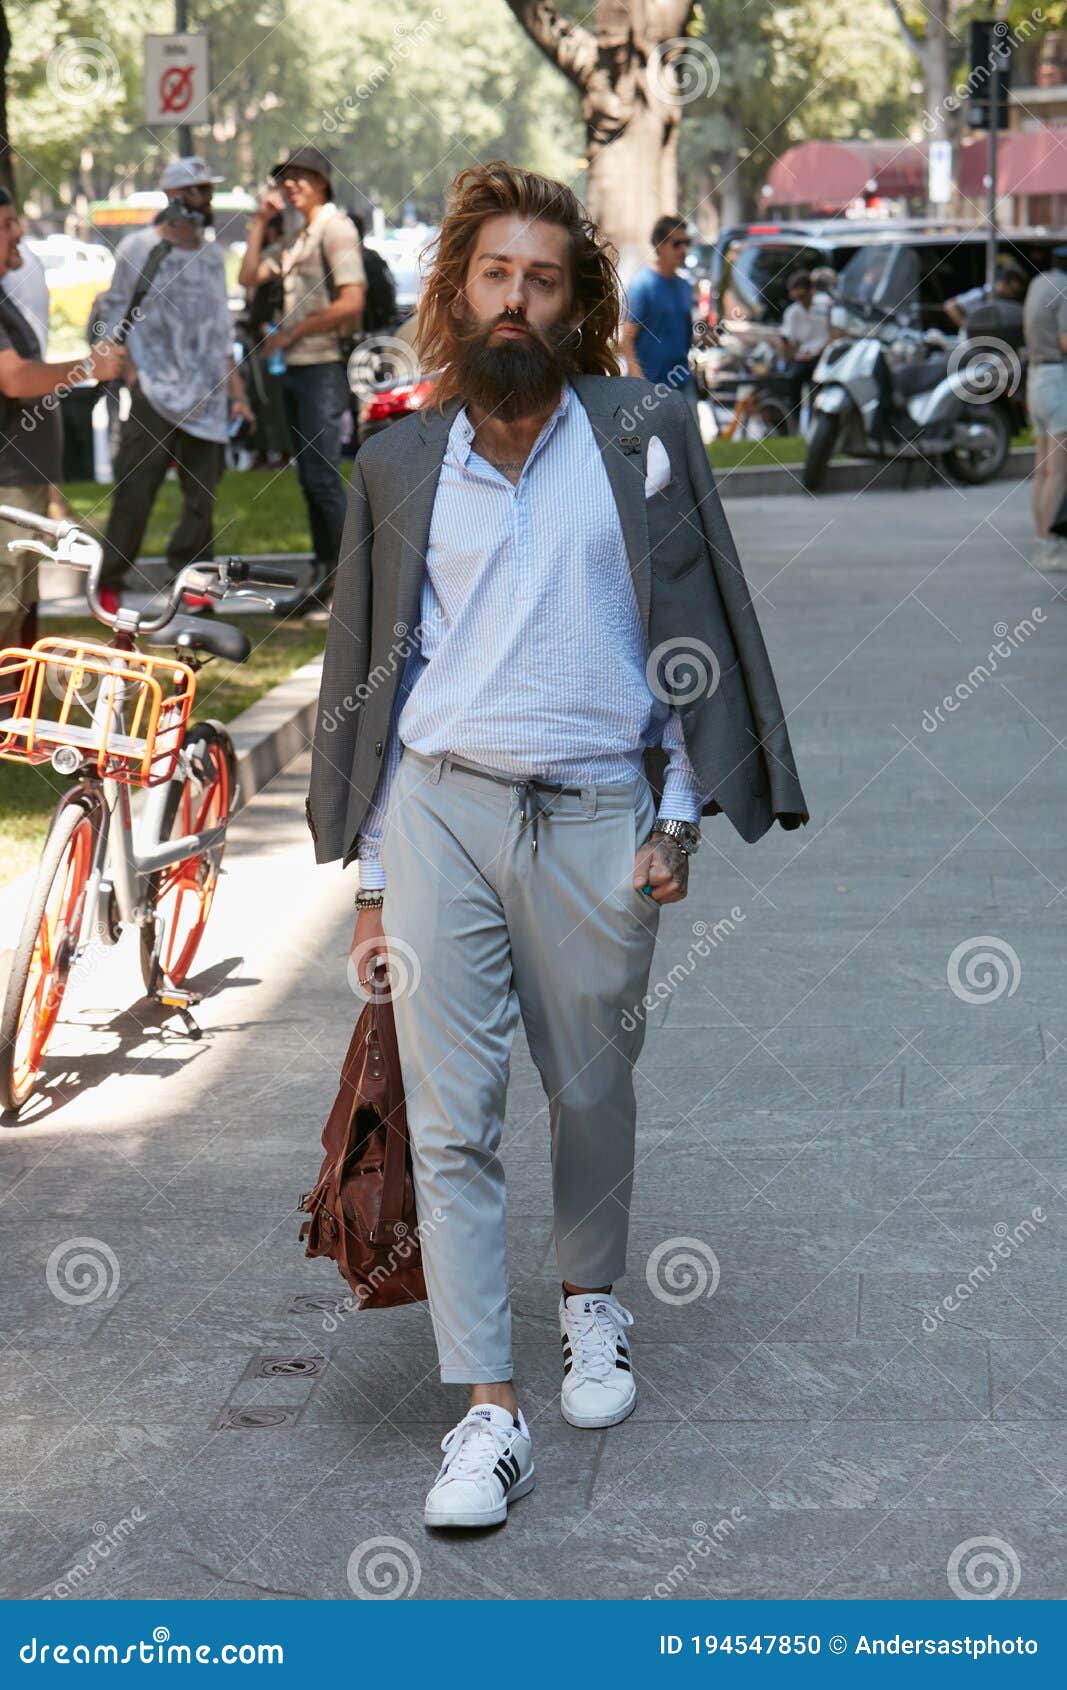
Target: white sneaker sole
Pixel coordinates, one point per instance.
(488, 1517)
(593, 1422)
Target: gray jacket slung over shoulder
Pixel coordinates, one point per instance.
(690, 588)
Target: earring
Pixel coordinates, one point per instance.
(578, 332)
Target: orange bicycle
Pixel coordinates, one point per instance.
(114, 719)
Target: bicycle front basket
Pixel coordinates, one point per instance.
(125, 712)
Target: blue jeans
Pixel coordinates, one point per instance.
(316, 399)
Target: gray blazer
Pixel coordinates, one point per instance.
(690, 589)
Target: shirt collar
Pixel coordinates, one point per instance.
(461, 434)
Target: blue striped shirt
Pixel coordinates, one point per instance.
(530, 653)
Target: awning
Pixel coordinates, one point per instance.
(831, 174)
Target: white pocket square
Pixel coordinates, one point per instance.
(657, 467)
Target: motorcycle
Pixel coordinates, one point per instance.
(889, 391)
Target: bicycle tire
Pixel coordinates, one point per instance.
(21, 1061)
(167, 956)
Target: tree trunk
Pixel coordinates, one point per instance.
(7, 175)
(631, 102)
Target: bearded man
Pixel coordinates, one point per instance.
(510, 744)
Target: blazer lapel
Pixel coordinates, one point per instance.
(623, 449)
(413, 512)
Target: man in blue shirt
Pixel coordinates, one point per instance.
(659, 329)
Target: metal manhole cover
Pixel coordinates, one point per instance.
(317, 1302)
(254, 1419)
(288, 1367)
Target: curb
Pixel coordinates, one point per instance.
(274, 730)
(267, 737)
(849, 475)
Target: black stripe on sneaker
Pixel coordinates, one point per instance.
(504, 1474)
(623, 1367)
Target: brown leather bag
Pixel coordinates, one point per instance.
(362, 1208)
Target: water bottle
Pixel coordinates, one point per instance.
(276, 356)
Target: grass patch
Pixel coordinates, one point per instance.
(256, 510)
(785, 449)
(224, 690)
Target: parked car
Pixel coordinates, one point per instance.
(753, 286)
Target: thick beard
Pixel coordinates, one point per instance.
(515, 378)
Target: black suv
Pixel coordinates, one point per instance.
(753, 283)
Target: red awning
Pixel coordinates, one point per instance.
(1032, 161)
(830, 174)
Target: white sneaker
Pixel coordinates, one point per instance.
(488, 1463)
(598, 1381)
(1049, 555)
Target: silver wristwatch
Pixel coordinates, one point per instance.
(685, 834)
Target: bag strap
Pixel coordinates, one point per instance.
(144, 282)
(395, 1124)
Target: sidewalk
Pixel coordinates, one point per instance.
(833, 1138)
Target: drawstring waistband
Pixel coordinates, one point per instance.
(532, 804)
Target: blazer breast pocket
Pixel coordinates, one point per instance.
(675, 537)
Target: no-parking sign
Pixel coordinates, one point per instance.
(175, 80)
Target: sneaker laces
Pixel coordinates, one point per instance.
(473, 1448)
(594, 1332)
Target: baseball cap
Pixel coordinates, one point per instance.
(304, 158)
(187, 173)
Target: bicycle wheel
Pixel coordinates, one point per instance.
(45, 952)
(180, 896)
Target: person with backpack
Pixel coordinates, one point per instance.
(324, 287)
(379, 306)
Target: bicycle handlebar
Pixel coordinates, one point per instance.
(79, 550)
(243, 569)
(54, 528)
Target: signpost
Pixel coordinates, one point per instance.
(176, 84)
(989, 81)
(939, 180)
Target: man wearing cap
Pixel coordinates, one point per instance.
(184, 386)
(321, 267)
(1045, 329)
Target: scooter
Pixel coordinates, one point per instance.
(899, 393)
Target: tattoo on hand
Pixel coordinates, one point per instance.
(668, 854)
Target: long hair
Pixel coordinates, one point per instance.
(489, 190)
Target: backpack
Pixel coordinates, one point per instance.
(379, 305)
(362, 1206)
(379, 310)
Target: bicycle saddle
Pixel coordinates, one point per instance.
(193, 633)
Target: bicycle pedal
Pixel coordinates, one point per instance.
(174, 998)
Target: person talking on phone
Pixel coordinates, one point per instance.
(185, 389)
(324, 288)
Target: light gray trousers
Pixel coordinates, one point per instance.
(493, 928)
